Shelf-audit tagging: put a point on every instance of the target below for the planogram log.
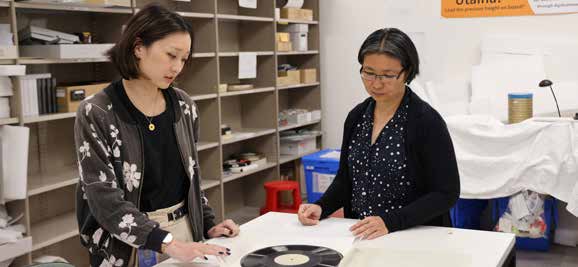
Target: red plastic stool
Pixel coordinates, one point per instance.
(274, 203)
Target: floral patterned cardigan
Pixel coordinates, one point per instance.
(110, 159)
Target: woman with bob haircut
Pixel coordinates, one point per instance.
(139, 199)
(398, 167)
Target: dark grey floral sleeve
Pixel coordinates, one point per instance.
(98, 147)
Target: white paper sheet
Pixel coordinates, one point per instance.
(15, 166)
(376, 257)
(247, 65)
(248, 3)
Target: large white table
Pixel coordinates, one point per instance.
(419, 246)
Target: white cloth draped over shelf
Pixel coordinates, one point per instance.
(498, 160)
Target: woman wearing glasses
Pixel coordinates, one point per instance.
(397, 168)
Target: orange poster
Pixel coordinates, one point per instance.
(495, 8)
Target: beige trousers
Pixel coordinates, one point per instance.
(180, 229)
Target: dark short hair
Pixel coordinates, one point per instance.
(150, 24)
(394, 43)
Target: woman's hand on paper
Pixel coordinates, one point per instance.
(369, 228)
(309, 214)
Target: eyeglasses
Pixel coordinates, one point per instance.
(370, 77)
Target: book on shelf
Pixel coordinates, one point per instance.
(38, 94)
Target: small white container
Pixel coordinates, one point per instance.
(315, 115)
(298, 145)
(8, 52)
(299, 41)
(298, 27)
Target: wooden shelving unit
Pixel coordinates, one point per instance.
(8, 121)
(54, 230)
(222, 30)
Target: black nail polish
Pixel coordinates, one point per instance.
(229, 253)
(228, 249)
(206, 258)
(222, 253)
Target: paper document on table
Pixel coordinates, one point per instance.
(330, 227)
(248, 3)
(375, 257)
(247, 65)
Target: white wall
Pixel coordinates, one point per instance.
(449, 47)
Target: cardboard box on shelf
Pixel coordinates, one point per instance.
(282, 81)
(290, 77)
(297, 13)
(284, 46)
(306, 14)
(290, 13)
(308, 75)
(283, 37)
(69, 97)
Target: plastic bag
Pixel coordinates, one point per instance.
(524, 216)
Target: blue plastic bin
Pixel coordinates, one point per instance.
(467, 213)
(526, 243)
(319, 173)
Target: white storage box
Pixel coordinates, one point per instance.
(298, 27)
(8, 52)
(6, 88)
(298, 118)
(12, 70)
(64, 51)
(48, 35)
(298, 144)
(315, 115)
(4, 107)
(299, 41)
(108, 3)
(16, 249)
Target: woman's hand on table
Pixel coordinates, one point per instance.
(227, 228)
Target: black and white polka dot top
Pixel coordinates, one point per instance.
(380, 178)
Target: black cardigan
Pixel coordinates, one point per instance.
(431, 162)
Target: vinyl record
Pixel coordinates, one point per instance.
(292, 255)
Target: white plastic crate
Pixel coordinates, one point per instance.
(298, 144)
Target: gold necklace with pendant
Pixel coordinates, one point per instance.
(152, 127)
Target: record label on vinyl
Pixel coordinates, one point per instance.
(292, 255)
